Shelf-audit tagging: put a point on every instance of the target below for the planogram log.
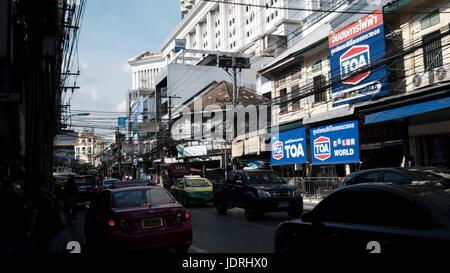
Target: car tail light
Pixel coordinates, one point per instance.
(186, 216)
(111, 223)
(183, 216)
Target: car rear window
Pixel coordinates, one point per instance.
(140, 197)
(263, 178)
(197, 183)
(84, 181)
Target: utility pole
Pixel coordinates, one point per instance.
(235, 88)
(119, 145)
(169, 110)
(234, 62)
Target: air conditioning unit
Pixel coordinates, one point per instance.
(442, 74)
(423, 79)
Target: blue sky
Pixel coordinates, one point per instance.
(114, 31)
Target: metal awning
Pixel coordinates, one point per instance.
(408, 111)
(330, 115)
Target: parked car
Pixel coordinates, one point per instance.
(87, 187)
(257, 191)
(193, 189)
(370, 217)
(399, 176)
(135, 218)
(108, 183)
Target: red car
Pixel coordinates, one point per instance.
(136, 217)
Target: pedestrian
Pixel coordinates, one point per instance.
(70, 199)
(45, 219)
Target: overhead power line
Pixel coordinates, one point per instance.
(267, 6)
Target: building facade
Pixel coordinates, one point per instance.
(392, 110)
(84, 148)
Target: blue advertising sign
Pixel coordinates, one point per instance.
(122, 121)
(352, 49)
(289, 147)
(335, 144)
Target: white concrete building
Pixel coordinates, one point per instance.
(84, 148)
(144, 68)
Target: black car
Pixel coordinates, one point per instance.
(372, 217)
(398, 176)
(87, 187)
(257, 191)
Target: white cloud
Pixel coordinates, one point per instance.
(89, 92)
(83, 65)
(121, 107)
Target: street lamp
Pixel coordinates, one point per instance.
(74, 115)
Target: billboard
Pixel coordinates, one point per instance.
(180, 44)
(289, 147)
(122, 121)
(352, 49)
(335, 144)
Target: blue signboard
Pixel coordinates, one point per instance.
(355, 48)
(289, 147)
(335, 144)
(122, 121)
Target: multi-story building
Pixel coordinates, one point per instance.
(98, 154)
(84, 149)
(64, 152)
(370, 90)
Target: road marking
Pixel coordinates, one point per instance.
(195, 249)
(237, 221)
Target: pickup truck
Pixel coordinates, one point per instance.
(257, 191)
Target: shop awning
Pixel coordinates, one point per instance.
(408, 111)
(329, 115)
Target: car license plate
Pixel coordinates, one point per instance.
(283, 204)
(152, 223)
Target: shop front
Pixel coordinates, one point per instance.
(289, 152)
(335, 150)
(413, 134)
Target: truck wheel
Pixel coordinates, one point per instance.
(221, 205)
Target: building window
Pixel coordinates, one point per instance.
(320, 94)
(431, 19)
(283, 101)
(432, 50)
(317, 66)
(295, 93)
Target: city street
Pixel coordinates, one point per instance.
(257, 105)
(232, 233)
(213, 233)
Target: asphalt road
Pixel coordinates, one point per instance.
(233, 233)
(213, 233)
